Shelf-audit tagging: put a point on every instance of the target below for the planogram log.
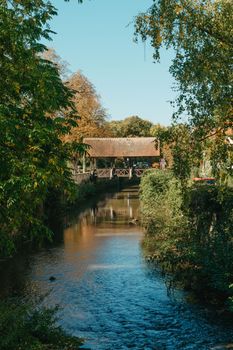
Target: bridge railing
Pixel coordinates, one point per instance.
(104, 172)
(123, 172)
(138, 172)
(107, 173)
(119, 172)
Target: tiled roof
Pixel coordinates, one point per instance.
(122, 147)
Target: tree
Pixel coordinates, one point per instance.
(115, 127)
(33, 158)
(200, 32)
(131, 127)
(92, 116)
(51, 55)
(162, 135)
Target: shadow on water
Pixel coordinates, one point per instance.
(108, 293)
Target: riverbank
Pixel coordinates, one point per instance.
(108, 294)
(29, 326)
(24, 326)
(189, 234)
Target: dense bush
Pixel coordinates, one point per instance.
(162, 216)
(25, 327)
(189, 232)
(210, 211)
(36, 113)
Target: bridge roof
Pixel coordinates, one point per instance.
(122, 147)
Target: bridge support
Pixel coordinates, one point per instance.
(111, 173)
(130, 173)
(84, 163)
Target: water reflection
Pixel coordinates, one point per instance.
(13, 276)
(109, 295)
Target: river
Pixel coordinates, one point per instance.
(109, 294)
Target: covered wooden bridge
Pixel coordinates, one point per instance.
(129, 152)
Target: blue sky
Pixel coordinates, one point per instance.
(97, 38)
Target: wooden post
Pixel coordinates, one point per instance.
(130, 173)
(84, 163)
(111, 173)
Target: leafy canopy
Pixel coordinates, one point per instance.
(201, 34)
(131, 127)
(33, 158)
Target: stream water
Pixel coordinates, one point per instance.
(109, 294)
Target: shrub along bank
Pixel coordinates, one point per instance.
(27, 327)
(190, 233)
